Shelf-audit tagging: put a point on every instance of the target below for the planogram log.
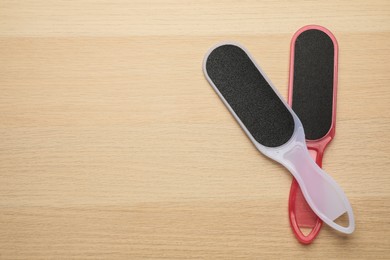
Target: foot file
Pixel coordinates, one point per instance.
(312, 96)
(273, 127)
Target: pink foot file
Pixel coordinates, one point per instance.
(312, 96)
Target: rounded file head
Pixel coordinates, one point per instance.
(250, 95)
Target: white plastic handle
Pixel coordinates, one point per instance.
(321, 192)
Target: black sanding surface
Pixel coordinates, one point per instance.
(312, 97)
(250, 96)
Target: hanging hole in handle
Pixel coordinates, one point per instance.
(344, 223)
(305, 230)
(342, 220)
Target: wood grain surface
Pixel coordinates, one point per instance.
(113, 144)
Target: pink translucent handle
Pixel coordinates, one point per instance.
(300, 213)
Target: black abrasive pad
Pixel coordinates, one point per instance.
(312, 98)
(250, 95)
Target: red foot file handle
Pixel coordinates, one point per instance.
(299, 211)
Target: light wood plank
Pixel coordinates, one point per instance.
(113, 145)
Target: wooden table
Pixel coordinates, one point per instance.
(113, 145)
